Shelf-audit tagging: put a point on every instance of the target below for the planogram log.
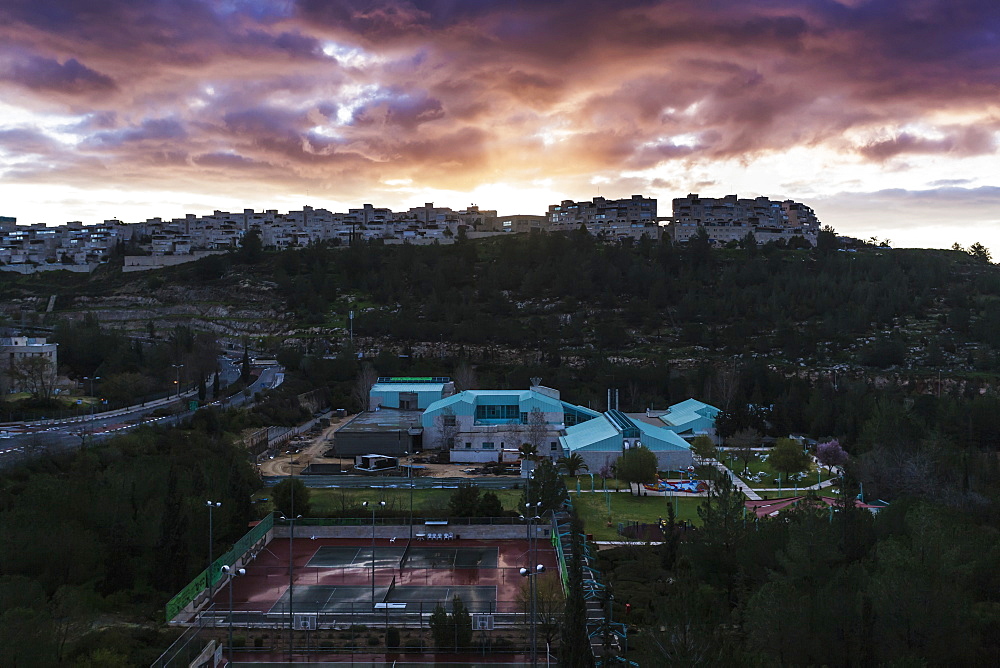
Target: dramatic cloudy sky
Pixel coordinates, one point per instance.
(883, 115)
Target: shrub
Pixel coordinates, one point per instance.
(415, 645)
(392, 638)
(373, 641)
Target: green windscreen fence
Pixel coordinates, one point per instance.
(202, 582)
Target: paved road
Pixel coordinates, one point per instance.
(18, 440)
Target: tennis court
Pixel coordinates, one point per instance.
(358, 598)
(417, 557)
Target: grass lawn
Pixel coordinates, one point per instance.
(426, 502)
(593, 510)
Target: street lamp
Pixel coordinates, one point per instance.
(373, 506)
(232, 576)
(91, 379)
(211, 505)
(531, 518)
(177, 377)
(291, 583)
(531, 574)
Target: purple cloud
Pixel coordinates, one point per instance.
(48, 74)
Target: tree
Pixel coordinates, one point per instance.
(742, 443)
(549, 604)
(245, 366)
(367, 377)
(490, 505)
(980, 252)
(574, 642)
(788, 457)
(291, 496)
(545, 487)
(830, 454)
(202, 390)
(251, 249)
(704, 448)
(447, 427)
(636, 465)
(441, 628)
(461, 622)
(35, 374)
(826, 240)
(465, 376)
(573, 463)
(215, 385)
(538, 429)
(464, 501)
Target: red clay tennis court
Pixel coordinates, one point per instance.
(333, 580)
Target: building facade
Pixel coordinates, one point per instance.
(16, 350)
(491, 425)
(600, 442)
(732, 218)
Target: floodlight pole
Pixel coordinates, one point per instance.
(291, 581)
(232, 575)
(373, 506)
(532, 541)
(531, 574)
(211, 505)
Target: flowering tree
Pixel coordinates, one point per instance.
(830, 454)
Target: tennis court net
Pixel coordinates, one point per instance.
(388, 592)
(405, 555)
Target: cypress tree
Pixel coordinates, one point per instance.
(575, 644)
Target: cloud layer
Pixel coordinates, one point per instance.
(343, 99)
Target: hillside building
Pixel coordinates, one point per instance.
(732, 218)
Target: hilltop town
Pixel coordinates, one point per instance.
(156, 243)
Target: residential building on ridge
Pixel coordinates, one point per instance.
(731, 218)
(612, 220)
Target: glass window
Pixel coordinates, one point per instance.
(553, 446)
(449, 420)
(487, 446)
(468, 446)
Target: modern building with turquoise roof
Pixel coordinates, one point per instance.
(690, 417)
(603, 440)
(408, 393)
(479, 425)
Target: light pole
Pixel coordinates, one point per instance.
(91, 379)
(531, 574)
(291, 582)
(232, 575)
(211, 505)
(177, 377)
(531, 517)
(373, 507)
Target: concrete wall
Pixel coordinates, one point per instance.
(393, 444)
(147, 262)
(466, 531)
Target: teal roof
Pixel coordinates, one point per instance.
(690, 412)
(589, 433)
(605, 434)
(498, 397)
